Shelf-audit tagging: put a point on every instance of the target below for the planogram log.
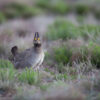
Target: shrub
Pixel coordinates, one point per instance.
(61, 29)
(62, 55)
(82, 9)
(97, 14)
(43, 3)
(60, 7)
(2, 17)
(11, 13)
(58, 58)
(56, 6)
(19, 10)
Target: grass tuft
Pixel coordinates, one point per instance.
(28, 76)
(62, 29)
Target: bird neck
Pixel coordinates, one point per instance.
(37, 47)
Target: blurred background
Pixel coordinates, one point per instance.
(19, 19)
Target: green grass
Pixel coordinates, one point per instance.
(55, 6)
(95, 54)
(62, 55)
(63, 7)
(61, 77)
(5, 64)
(82, 9)
(97, 14)
(2, 17)
(8, 72)
(59, 55)
(89, 32)
(7, 78)
(62, 29)
(16, 10)
(29, 76)
(62, 71)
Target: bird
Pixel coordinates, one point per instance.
(32, 57)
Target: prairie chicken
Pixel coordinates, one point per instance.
(32, 57)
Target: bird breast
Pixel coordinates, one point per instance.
(37, 59)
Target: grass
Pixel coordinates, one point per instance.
(97, 14)
(62, 76)
(82, 9)
(29, 76)
(59, 57)
(2, 18)
(62, 29)
(95, 52)
(16, 10)
(55, 6)
(62, 55)
(89, 31)
(5, 64)
(9, 74)
(63, 7)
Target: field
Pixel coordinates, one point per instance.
(70, 33)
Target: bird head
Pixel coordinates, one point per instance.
(37, 41)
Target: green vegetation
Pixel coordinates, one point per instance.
(61, 29)
(16, 10)
(71, 62)
(95, 54)
(56, 6)
(62, 7)
(19, 10)
(7, 72)
(2, 17)
(82, 9)
(62, 55)
(97, 14)
(29, 76)
(89, 31)
(5, 64)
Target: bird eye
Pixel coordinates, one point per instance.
(34, 38)
(38, 38)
